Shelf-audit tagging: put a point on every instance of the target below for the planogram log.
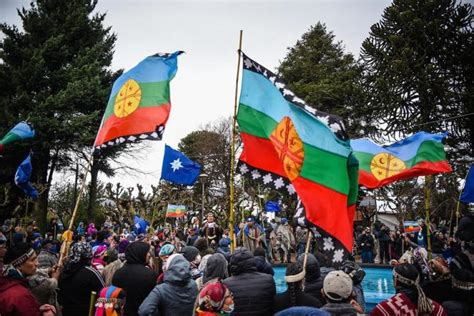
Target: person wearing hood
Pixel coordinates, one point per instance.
(98, 262)
(253, 291)
(112, 267)
(176, 295)
(15, 297)
(91, 230)
(224, 248)
(80, 230)
(262, 263)
(313, 283)
(216, 270)
(78, 280)
(134, 277)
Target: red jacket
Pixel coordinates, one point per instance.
(400, 304)
(16, 298)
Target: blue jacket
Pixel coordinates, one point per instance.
(176, 296)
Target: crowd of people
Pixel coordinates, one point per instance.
(190, 270)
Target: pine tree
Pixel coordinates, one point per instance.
(319, 71)
(56, 74)
(419, 70)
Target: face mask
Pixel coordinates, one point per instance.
(230, 309)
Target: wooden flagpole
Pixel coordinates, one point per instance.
(68, 234)
(427, 215)
(457, 207)
(232, 151)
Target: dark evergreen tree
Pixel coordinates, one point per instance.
(319, 71)
(419, 70)
(56, 73)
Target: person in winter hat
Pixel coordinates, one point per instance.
(78, 280)
(15, 297)
(410, 296)
(191, 254)
(215, 299)
(98, 261)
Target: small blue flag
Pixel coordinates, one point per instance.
(22, 178)
(141, 225)
(468, 191)
(179, 169)
(272, 206)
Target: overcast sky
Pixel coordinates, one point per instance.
(203, 89)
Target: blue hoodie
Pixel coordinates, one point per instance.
(176, 296)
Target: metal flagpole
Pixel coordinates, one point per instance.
(232, 151)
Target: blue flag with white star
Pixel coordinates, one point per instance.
(22, 178)
(468, 191)
(179, 169)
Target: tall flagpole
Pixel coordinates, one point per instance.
(427, 188)
(68, 234)
(232, 151)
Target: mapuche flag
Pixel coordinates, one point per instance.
(139, 104)
(21, 131)
(295, 148)
(418, 155)
(175, 210)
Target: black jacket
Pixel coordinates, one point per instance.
(134, 277)
(282, 301)
(76, 285)
(253, 291)
(313, 280)
(263, 266)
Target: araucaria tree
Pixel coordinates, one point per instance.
(419, 70)
(55, 73)
(319, 71)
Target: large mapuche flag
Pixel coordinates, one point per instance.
(418, 155)
(293, 148)
(139, 104)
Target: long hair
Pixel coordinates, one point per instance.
(294, 287)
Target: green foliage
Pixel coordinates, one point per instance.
(418, 70)
(55, 74)
(319, 71)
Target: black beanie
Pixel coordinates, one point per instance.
(190, 253)
(17, 251)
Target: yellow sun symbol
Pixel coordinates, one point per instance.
(128, 99)
(385, 165)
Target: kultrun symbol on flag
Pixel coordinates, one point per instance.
(289, 147)
(178, 211)
(128, 99)
(385, 165)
